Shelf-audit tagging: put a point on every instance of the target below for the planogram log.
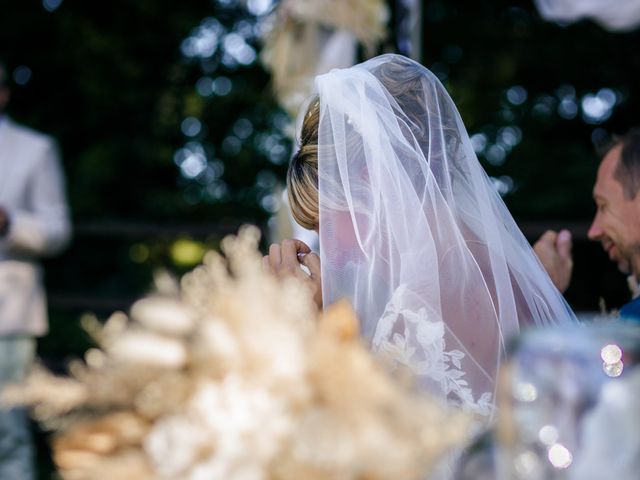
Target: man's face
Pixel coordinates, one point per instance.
(617, 221)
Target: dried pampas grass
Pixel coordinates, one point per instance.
(237, 378)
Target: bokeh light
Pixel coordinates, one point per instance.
(260, 7)
(525, 392)
(611, 353)
(51, 5)
(560, 456)
(598, 107)
(191, 127)
(548, 435)
(22, 75)
(191, 159)
(204, 40)
(517, 95)
(186, 252)
(504, 184)
(479, 142)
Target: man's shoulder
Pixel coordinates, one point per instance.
(631, 310)
(23, 134)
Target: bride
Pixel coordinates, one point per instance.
(411, 230)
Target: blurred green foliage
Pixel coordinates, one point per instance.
(505, 43)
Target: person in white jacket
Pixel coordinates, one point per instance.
(34, 222)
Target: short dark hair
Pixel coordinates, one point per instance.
(4, 75)
(628, 169)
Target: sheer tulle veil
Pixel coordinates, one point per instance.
(414, 234)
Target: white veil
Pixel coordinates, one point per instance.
(414, 234)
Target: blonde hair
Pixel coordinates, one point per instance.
(302, 176)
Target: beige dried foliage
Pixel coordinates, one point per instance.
(365, 18)
(129, 464)
(52, 395)
(268, 390)
(105, 435)
(340, 322)
(292, 48)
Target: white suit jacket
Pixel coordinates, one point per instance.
(32, 191)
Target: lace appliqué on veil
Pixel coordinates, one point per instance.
(416, 338)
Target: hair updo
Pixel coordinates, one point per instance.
(302, 176)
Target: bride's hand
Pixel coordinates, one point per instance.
(285, 259)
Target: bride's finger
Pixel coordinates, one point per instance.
(275, 258)
(312, 262)
(289, 252)
(300, 246)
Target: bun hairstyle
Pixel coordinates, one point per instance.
(302, 176)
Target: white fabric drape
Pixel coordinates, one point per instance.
(620, 15)
(414, 234)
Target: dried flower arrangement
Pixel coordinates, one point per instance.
(300, 28)
(236, 378)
